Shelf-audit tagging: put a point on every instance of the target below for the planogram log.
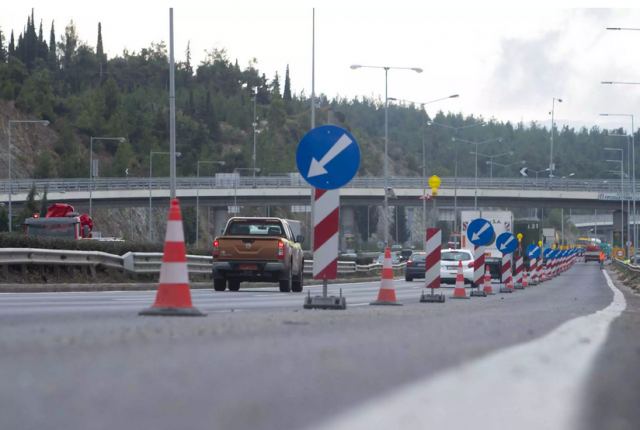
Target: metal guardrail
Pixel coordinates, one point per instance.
(137, 262)
(627, 266)
(610, 188)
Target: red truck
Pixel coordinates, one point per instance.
(258, 250)
(61, 221)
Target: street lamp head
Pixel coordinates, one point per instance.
(454, 96)
(607, 82)
(178, 154)
(417, 69)
(355, 66)
(559, 100)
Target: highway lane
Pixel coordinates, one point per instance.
(82, 360)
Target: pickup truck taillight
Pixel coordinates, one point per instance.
(409, 263)
(280, 250)
(216, 248)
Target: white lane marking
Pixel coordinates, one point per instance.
(542, 385)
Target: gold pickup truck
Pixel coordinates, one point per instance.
(258, 250)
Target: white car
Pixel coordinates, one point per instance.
(449, 259)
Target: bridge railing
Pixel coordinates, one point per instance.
(295, 181)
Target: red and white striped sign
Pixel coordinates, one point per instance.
(326, 223)
(518, 271)
(478, 265)
(506, 270)
(432, 262)
(533, 265)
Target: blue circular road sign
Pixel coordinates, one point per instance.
(533, 251)
(328, 157)
(506, 243)
(480, 232)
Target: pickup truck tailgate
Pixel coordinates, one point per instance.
(248, 248)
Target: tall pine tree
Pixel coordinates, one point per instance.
(12, 46)
(52, 59)
(102, 59)
(287, 86)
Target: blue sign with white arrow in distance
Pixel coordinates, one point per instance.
(547, 253)
(480, 232)
(506, 243)
(533, 251)
(328, 157)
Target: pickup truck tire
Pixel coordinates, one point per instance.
(297, 280)
(234, 285)
(219, 284)
(285, 285)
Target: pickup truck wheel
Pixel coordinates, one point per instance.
(219, 284)
(296, 286)
(285, 285)
(234, 285)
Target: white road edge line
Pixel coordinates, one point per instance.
(540, 385)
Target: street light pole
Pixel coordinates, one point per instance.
(633, 170)
(92, 172)
(10, 123)
(424, 165)
(220, 163)
(455, 179)
(386, 137)
(151, 154)
(476, 143)
(553, 109)
(621, 161)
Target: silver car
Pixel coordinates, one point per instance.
(449, 259)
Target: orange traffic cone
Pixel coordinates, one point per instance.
(387, 294)
(525, 281)
(487, 281)
(173, 297)
(459, 292)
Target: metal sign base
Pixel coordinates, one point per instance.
(506, 290)
(518, 287)
(325, 301)
(432, 298)
(477, 293)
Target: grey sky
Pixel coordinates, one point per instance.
(506, 63)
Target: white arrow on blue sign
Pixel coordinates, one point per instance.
(480, 232)
(506, 242)
(328, 157)
(533, 251)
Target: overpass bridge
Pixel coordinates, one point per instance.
(225, 190)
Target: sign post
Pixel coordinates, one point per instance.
(480, 233)
(506, 243)
(327, 157)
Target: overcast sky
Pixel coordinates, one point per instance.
(506, 63)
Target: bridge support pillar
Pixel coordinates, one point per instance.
(220, 217)
(347, 228)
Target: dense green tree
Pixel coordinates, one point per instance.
(3, 50)
(28, 210)
(44, 166)
(44, 204)
(398, 227)
(4, 219)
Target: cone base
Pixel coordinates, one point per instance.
(432, 298)
(172, 312)
(506, 290)
(478, 294)
(384, 303)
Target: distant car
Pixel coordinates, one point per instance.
(415, 266)
(395, 258)
(405, 254)
(449, 259)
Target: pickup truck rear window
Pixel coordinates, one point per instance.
(255, 229)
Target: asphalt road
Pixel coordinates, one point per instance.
(259, 361)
